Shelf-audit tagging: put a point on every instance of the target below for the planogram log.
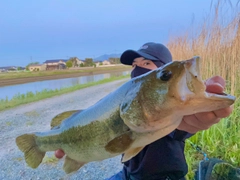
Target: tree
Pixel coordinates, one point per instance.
(113, 60)
(81, 65)
(69, 64)
(74, 61)
(32, 63)
(89, 62)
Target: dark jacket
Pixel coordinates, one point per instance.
(162, 159)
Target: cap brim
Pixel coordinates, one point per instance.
(128, 56)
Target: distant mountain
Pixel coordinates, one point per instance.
(106, 57)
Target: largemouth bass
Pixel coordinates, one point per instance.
(139, 112)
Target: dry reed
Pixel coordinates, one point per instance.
(216, 41)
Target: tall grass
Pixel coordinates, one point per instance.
(217, 41)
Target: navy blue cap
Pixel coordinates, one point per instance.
(151, 51)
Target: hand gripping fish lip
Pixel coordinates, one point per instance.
(193, 68)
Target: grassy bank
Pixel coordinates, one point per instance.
(20, 99)
(220, 141)
(217, 41)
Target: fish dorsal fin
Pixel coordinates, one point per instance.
(131, 153)
(58, 119)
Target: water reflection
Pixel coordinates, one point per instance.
(11, 91)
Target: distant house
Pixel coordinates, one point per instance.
(7, 68)
(36, 67)
(76, 62)
(55, 64)
(11, 68)
(79, 62)
(104, 62)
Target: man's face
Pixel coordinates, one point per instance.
(144, 63)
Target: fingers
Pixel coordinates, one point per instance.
(186, 127)
(198, 122)
(215, 84)
(222, 113)
(204, 120)
(215, 88)
(59, 153)
(216, 79)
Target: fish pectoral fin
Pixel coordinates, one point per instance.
(120, 143)
(33, 155)
(71, 165)
(58, 119)
(131, 153)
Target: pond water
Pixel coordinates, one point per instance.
(10, 91)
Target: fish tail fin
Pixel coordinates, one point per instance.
(27, 144)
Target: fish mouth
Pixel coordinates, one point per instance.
(196, 85)
(220, 96)
(192, 78)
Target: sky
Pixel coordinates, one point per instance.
(35, 31)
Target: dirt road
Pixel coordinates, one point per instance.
(36, 117)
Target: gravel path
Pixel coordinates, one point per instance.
(36, 117)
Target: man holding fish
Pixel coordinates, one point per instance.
(164, 158)
(146, 119)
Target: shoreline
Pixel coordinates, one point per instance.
(29, 97)
(22, 80)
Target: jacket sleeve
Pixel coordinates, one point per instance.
(180, 135)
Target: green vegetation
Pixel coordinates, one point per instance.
(32, 114)
(50, 160)
(8, 123)
(217, 41)
(114, 60)
(32, 97)
(72, 61)
(18, 159)
(89, 62)
(69, 64)
(29, 123)
(220, 141)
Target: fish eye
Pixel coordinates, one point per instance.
(166, 75)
